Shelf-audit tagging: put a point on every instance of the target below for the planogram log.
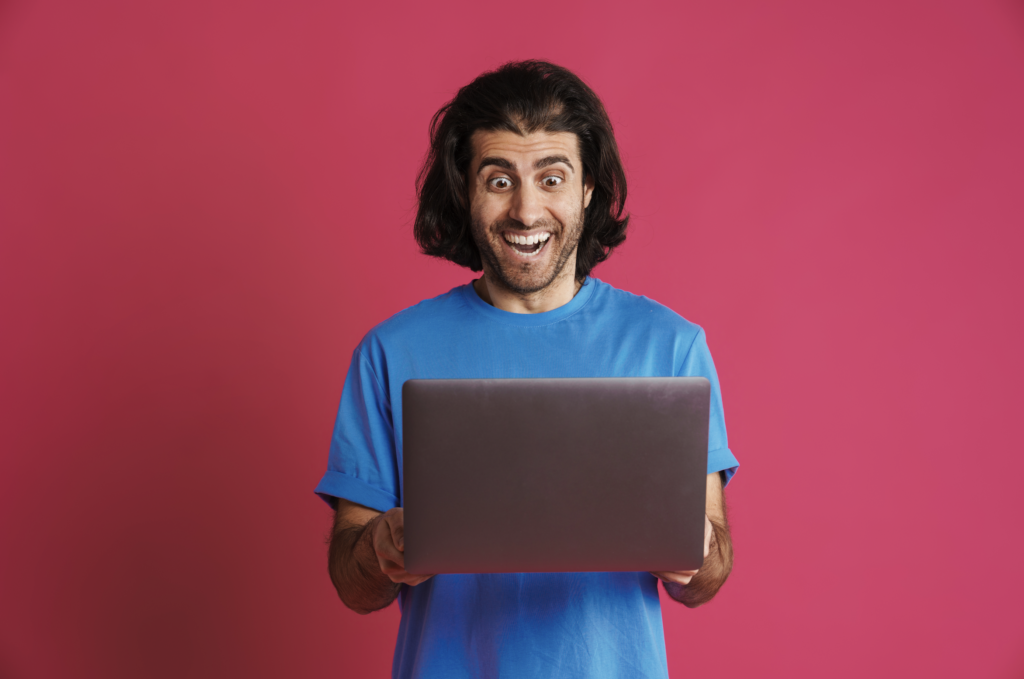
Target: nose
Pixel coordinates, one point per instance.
(527, 206)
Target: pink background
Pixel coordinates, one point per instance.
(204, 205)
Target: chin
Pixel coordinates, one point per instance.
(525, 283)
(524, 277)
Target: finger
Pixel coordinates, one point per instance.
(413, 580)
(391, 569)
(384, 546)
(399, 575)
(390, 558)
(398, 534)
(672, 574)
(678, 578)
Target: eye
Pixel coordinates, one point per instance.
(500, 183)
(551, 181)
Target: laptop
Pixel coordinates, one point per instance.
(554, 475)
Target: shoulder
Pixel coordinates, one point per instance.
(423, 319)
(641, 312)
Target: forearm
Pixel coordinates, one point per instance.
(712, 575)
(355, 570)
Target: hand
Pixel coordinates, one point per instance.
(684, 577)
(389, 543)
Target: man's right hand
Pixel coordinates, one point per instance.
(388, 532)
(366, 557)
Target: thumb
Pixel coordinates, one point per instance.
(398, 535)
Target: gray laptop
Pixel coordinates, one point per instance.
(555, 475)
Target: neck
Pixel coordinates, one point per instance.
(559, 293)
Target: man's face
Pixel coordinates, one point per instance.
(526, 200)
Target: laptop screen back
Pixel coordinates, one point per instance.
(554, 475)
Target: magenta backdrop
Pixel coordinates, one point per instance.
(204, 206)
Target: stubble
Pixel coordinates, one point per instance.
(521, 278)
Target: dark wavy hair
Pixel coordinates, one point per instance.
(521, 97)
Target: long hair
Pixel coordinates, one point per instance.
(520, 97)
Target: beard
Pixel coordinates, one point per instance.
(524, 278)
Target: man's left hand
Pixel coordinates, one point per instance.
(684, 577)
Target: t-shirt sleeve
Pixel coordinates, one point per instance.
(362, 466)
(698, 363)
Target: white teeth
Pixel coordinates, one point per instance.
(532, 239)
(527, 240)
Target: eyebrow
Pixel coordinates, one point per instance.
(495, 160)
(552, 160)
(506, 165)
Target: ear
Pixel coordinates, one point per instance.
(588, 190)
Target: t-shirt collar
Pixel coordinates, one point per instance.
(531, 320)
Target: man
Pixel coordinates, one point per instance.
(523, 181)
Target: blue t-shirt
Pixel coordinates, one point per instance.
(529, 625)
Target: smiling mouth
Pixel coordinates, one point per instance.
(527, 246)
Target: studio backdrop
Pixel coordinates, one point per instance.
(205, 205)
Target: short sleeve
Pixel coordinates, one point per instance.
(698, 363)
(362, 466)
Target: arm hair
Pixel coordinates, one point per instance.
(352, 561)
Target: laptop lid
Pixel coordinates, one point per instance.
(554, 475)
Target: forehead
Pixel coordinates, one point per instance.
(520, 149)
